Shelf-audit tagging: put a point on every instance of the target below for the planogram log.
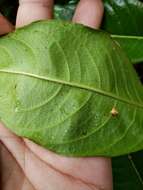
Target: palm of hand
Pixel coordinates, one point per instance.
(31, 167)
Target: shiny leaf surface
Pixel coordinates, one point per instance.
(123, 17)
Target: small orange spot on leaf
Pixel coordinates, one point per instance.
(114, 111)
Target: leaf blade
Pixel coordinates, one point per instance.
(58, 58)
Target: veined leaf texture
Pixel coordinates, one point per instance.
(59, 85)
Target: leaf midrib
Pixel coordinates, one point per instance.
(76, 85)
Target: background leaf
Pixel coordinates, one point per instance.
(132, 45)
(66, 11)
(128, 172)
(123, 17)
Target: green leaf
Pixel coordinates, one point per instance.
(68, 93)
(132, 45)
(127, 172)
(65, 12)
(123, 17)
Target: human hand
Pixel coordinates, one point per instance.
(27, 166)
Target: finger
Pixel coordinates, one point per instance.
(33, 10)
(14, 144)
(11, 173)
(92, 170)
(89, 13)
(43, 176)
(5, 25)
(39, 173)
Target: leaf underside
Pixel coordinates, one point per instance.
(61, 90)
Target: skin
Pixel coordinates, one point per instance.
(27, 166)
(5, 25)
